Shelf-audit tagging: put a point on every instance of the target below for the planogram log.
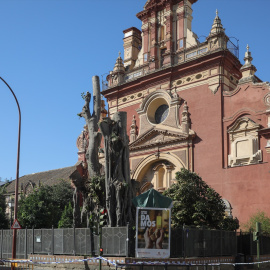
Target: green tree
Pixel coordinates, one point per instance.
(261, 217)
(44, 206)
(3, 216)
(195, 203)
(66, 220)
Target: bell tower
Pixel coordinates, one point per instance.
(166, 29)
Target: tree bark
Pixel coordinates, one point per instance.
(92, 125)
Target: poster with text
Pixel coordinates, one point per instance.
(153, 232)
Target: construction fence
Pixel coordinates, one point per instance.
(120, 241)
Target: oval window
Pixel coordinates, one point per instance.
(161, 113)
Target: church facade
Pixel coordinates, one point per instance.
(193, 105)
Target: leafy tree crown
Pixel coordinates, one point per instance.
(197, 204)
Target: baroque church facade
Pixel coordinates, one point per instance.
(193, 105)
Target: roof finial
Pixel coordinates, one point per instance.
(119, 54)
(248, 69)
(217, 26)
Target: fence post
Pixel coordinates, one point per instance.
(52, 241)
(251, 242)
(203, 240)
(33, 240)
(221, 242)
(1, 243)
(127, 241)
(183, 242)
(74, 241)
(236, 243)
(25, 243)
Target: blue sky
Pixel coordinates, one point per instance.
(50, 49)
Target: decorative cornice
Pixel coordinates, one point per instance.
(156, 5)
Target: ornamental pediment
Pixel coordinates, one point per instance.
(158, 137)
(243, 124)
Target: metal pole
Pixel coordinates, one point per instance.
(127, 241)
(33, 240)
(17, 174)
(100, 246)
(1, 243)
(258, 234)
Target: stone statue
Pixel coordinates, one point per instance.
(117, 171)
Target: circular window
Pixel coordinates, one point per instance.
(132, 97)
(124, 99)
(188, 79)
(139, 95)
(157, 110)
(179, 82)
(198, 76)
(161, 113)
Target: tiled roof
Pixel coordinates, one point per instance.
(46, 178)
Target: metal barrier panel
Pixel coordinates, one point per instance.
(265, 245)
(20, 244)
(213, 241)
(243, 243)
(30, 241)
(7, 243)
(83, 241)
(58, 241)
(68, 241)
(46, 241)
(193, 242)
(114, 241)
(229, 243)
(176, 248)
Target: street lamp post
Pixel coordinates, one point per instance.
(17, 174)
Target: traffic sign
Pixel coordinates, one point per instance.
(16, 225)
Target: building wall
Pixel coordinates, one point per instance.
(218, 119)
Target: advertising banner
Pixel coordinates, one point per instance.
(153, 232)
